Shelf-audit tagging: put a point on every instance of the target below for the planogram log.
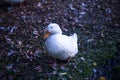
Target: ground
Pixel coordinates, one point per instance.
(22, 52)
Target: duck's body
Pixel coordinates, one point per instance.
(13, 1)
(60, 46)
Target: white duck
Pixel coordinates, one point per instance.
(58, 45)
(14, 1)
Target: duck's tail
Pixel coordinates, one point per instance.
(75, 37)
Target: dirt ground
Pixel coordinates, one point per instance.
(22, 52)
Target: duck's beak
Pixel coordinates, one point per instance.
(46, 35)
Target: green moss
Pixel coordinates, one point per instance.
(103, 53)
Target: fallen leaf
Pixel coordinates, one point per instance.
(94, 64)
(102, 78)
(38, 68)
(61, 74)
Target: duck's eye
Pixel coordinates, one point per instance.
(51, 27)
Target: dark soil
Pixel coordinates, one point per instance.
(22, 52)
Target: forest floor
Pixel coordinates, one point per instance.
(22, 52)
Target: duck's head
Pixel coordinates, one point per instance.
(52, 28)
